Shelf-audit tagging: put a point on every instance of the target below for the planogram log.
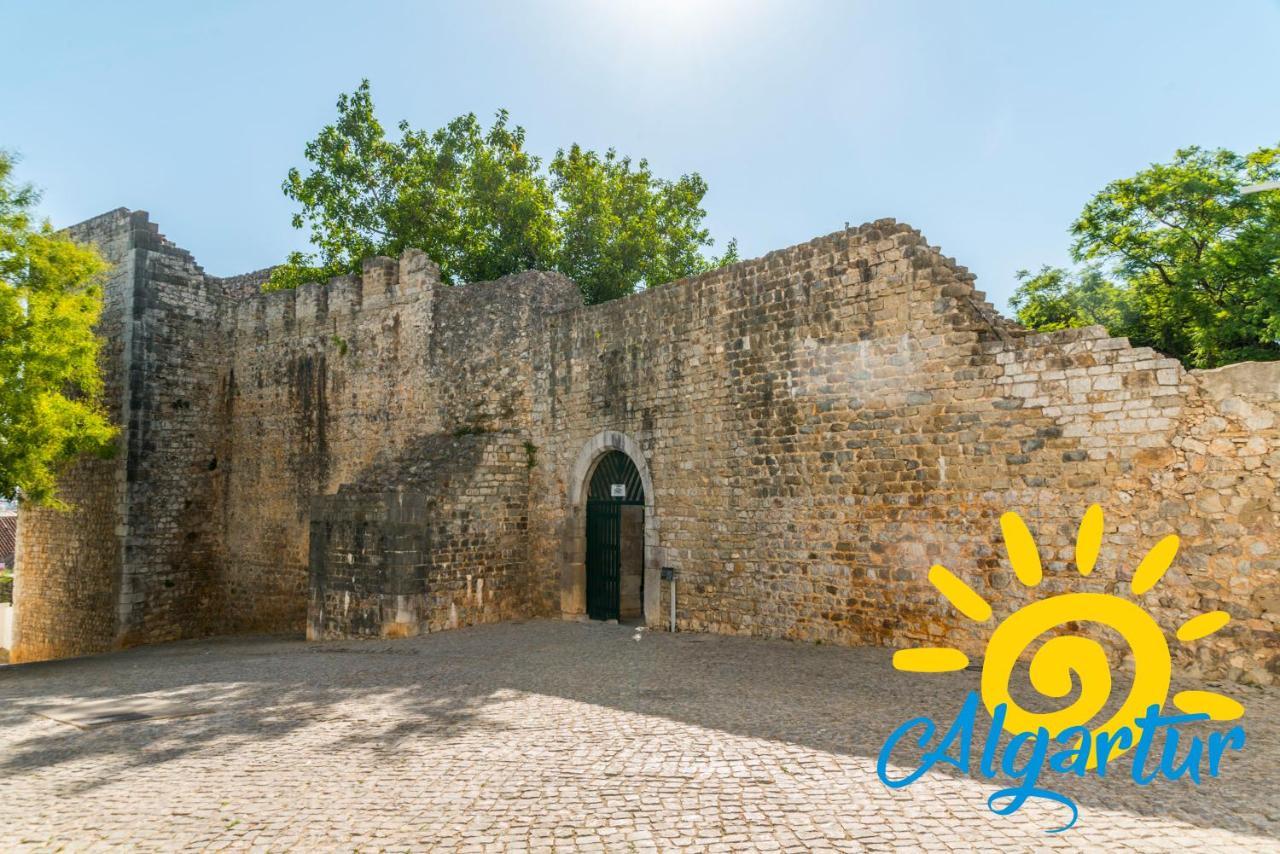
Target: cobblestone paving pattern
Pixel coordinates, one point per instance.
(552, 736)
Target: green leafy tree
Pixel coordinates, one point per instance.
(1196, 262)
(475, 201)
(621, 228)
(1057, 298)
(481, 206)
(50, 385)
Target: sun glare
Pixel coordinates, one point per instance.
(677, 21)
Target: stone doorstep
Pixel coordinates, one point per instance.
(92, 714)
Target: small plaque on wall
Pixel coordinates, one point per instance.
(618, 490)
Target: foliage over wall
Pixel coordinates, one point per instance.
(481, 206)
(1177, 258)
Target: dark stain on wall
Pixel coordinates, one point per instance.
(308, 381)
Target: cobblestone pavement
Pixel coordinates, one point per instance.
(549, 735)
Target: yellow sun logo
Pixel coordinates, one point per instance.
(1053, 663)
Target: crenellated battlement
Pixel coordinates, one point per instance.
(383, 283)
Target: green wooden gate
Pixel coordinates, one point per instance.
(604, 559)
(615, 483)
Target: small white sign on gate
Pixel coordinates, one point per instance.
(618, 490)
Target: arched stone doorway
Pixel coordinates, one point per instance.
(612, 527)
(615, 540)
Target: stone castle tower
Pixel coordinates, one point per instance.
(800, 436)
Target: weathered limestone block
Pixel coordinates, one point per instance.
(430, 538)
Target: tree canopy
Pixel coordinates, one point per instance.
(50, 385)
(1176, 258)
(481, 206)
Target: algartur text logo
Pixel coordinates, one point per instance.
(1062, 740)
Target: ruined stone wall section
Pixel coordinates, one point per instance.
(320, 380)
(758, 393)
(327, 379)
(433, 538)
(175, 444)
(819, 426)
(1165, 451)
(243, 286)
(480, 359)
(138, 559)
(825, 423)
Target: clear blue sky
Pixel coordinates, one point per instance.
(987, 126)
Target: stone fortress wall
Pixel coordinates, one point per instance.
(815, 428)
